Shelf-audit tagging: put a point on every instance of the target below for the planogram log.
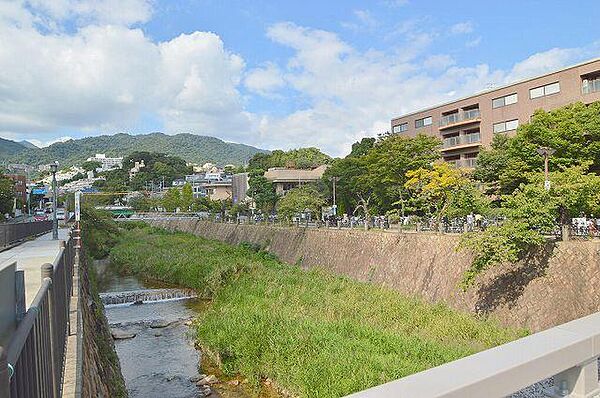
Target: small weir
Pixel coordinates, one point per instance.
(153, 335)
(154, 339)
(145, 295)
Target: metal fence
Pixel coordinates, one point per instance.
(11, 233)
(32, 364)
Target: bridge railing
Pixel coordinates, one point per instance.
(568, 352)
(14, 232)
(32, 363)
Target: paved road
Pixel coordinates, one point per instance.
(30, 256)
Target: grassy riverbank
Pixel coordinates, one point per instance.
(312, 333)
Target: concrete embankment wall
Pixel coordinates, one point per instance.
(101, 373)
(559, 283)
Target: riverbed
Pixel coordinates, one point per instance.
(160, 359)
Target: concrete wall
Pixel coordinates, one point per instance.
(101, 375)
(550, 287)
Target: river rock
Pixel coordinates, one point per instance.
(137, 302)
(121, 334)
(205, 391)
(233, 382)
(210, 379)
(159, 323)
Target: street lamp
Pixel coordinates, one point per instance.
(546, 152)
(54, 169)
(334, 180)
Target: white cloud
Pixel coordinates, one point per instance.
(439, 62)
(473, 43)
(461, 28)
(354, 94)
(545, 61)
(103, 77)
(106, 74)
(42, 144)
(119, 12)
(265, 80)
(365, 21)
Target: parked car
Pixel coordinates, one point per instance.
(40, 215)
(60, 214)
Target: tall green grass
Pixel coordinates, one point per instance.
(314, 334)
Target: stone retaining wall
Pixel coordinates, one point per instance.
(559, 283)
(101, 373)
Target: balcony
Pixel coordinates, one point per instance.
(461, 141)
(457, 119)
(469, 163)
(590, 86)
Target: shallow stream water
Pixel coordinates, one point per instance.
(158, 361)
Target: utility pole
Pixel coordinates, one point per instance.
(54, 169)
(334, 180)
(546, 152)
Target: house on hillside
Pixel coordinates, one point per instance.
(284, 179)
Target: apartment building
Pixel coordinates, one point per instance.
(467, 124)
(107, 163)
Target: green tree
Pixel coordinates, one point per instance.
(388, 162)
(171, 200)
(301, 158)
(7, 194)
(533, 212)
(298, 200)
(443, 189)
(187, 197)
(91, 165)
(572, 131)
(262, 192)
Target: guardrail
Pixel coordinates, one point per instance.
(11, 233)
(32, 364)
(568, 352)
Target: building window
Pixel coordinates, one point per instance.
(509, 125)
(423, 122)
(503, 101)
(548, 89)
(400, 128)
(590, 85)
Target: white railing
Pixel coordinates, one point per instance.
(568, 352)
(471, 114)
(461, 140)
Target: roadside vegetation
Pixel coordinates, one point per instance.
(312, 333)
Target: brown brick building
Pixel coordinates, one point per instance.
(466, 124)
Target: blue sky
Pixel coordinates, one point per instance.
(275, 74)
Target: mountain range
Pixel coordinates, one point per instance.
(193, 148)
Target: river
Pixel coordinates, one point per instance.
(161, 359)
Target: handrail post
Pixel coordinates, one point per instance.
(47, 272)
(4, 376)
(580, 381)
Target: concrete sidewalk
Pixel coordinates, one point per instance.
(30, 256)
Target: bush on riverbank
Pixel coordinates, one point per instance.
(312, 333)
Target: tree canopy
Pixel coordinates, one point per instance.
(300, 199)
(572, 131)
(301, 158)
